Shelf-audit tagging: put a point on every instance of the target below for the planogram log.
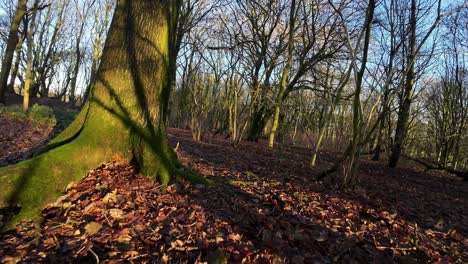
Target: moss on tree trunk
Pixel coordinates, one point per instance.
(121, 119)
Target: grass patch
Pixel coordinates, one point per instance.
(38, 114)
(42, 114)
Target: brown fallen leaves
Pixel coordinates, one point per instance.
(114, 215)
(18, 137)
(273, 213)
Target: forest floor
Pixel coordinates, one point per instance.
(265, 207)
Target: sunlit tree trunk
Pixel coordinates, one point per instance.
(284, 75)
(29, 57)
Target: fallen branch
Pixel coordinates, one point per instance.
(432, 166)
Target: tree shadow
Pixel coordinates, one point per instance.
(248, 163)
(270, 223)
(408, 187)
(12, 207)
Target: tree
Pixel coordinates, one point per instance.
(29, 39)
(355, 145)
(187, 15)
(80, 24)
(410, 79)
(100, 28)
(284, 74)
(14, 71)
(391, 41)
(122, 118)
(260, 36)
(11, 46)
(46, 46)
(350, 160)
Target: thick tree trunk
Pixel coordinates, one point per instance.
(121, 120)
(258, 122)
(10, 47)
(259, 115)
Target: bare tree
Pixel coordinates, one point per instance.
(11, 45)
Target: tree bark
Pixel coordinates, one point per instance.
(14, 71)
(258, 122)
(29, 57)
(10, 47)
(122, 119)
(284, 75)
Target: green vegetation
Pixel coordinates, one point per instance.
(41, 115)
(38, 114)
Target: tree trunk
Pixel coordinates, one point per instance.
(121, 120)
(284, 75)
(14, 71)
(76, 70)
(175, 43)
(403, 114)
(351, 162)
(322, 131)
(10, 47)
(258, 123)
(29, 57)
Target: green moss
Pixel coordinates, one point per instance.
(74, 127)
(195, 177)
(34, 183)
(237, 182)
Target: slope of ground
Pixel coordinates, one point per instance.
(21, 134)
(18, 137)
(265, 207)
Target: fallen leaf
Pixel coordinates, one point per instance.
(92, 228)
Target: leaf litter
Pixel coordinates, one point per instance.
(265, 207)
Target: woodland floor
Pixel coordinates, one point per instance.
(266, 207)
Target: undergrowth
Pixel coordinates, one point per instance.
(38, 114)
